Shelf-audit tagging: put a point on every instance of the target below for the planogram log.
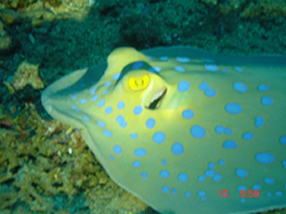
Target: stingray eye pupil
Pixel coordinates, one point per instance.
(139, 83)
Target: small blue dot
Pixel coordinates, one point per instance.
(282, 140)
(136, 164)
(256, 186)
(140, 152)
(84, 117)
(150, 123)
(242, 173)
(137, 110)
(219, 129)
(164, 173)
(180, 69)
(188, 114)
(187, 194)
(211, 165)
(240, 87)
(117, 149)
(238, 69)
(204, 86)
(201, 178)
(134, 135)
(183, 86)
(201, 193)
(144, 175)
(263, 88)
(247, 136)
(264, 158)
(92, 91)
(227, 131)
(120, 105)
(159, 137)
(177, 148)
(94, 98)
(123, 124)
(101, 103)
(107, 133)
(217, 177)
(165, 189)
(107, 84)
(229, 144)
(182, 59)
(223, 70)
(116, 76)
(101, 124)
(108, 110)
(183, 177)
(164, 162)
(105, 92)
(259, 121)
(268, 194)
(174, 191)
(221, 162)
(233, 108)
(241, 187)
(209, 173)
(267, 101)
(119, 119)
(137, 65)
(284, 165)
(269, 181)
(278, 193)
(197, 131)
(210, 92)
(74, 97)
(83, 101)
(211, 67)
(163, 58)
(111, 157)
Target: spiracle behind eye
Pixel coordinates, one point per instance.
(156, 99)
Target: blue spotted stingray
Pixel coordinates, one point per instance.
(184, 130)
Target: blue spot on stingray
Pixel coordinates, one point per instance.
(188, 114)
(137, 110)
(163, 58)
(217, 177)
(159, 137)
(74, 97)
(137, 65)
(187, 194)
(107, 84)
(101, 124)
(164, 173)
(268, 194)
(105, 92)
(174, 191)
(241, 187)
(123, 124)
(180, 69)
(210, 92)
(240, 87)
(150, 123)
(284, 165)
(227, 131)
(256, 186)
(229, 144)
(107, 133)
(239, 69)
(183, 86)
(242, 173)
(259, 121)
(202, 195)
(247, 136)
(101, 103)
(264, 157)
(83, 101)
(120, 105)
(198, 131)
(182, 59)
(92, 91)
(177, 148)
(267, 101)
(201, 178)
(144, 175)
(211, 67)
(136, 164)
(219, 129)
(116, 76)
(140, 152)
(108, 110)
(221, 162)
(117, 149)
(204, 86)
(233, 108)
(165, 189)
(209, 173)
(269, 181)
(119, 119)
(263, 88)
(111, 157)
(156, 68)
(283, 140)
(211, 165)
(94, 98)
(223, 70)
(134, 135)
(183, 177)
(84, 117)
(278, 193)
(164, 162)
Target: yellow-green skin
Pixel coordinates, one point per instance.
(218, 124)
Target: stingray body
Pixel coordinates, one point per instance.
(184, 130)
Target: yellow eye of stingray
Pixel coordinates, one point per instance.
(139, 83)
